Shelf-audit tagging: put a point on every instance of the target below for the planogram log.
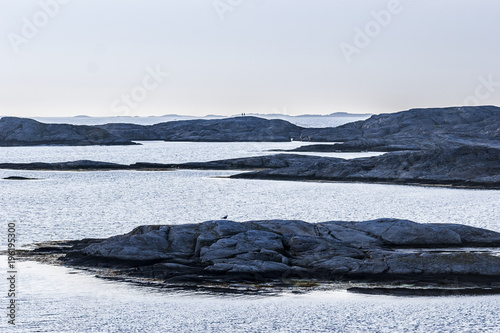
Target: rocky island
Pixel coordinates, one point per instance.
(279, 250)
(236, 129)
(27, 132)
(465, 166)
(415, 129)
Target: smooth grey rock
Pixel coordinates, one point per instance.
(212, 231)
(143, 243)
(183, 238)
(307, 249)
(287, 227)
(404, 232)
(474, 236)
(248, 241)
(263, 255)
(338, 265)
(347, 234)
(404, 264)
(370, 268)
(451, 263)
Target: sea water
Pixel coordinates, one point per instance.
(78, 204)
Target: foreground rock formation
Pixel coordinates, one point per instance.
(277, 250)
(27, 132)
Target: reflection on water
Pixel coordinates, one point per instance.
(54, 301)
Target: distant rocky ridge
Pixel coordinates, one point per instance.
(270, 250)
(212, 130)
(305, 120)
(414, 129)
(27, 132)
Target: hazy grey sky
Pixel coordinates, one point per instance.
(111, 57)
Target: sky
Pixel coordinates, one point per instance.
(99, 58)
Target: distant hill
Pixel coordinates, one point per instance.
(319, 121)
(413, 129)
(217, 130)
(28, 132)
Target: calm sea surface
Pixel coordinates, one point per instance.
(72, 205)
(157, 152)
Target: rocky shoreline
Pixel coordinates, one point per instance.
(28, 132)
(415, 129)
(279, 251)
(465, 167)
